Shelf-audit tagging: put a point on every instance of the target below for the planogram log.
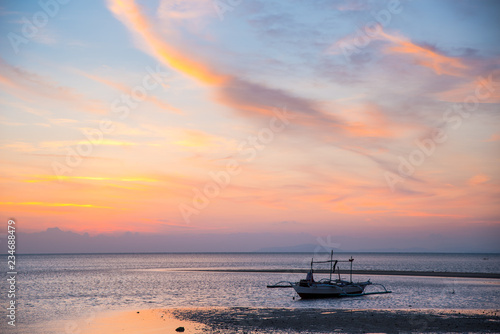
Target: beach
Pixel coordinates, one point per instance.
(282, 320)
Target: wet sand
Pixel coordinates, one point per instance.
(136, 322)
(279, 320)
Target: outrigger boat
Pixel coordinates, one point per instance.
(328, 287)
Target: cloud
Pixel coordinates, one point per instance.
(196, 138)
(19, 147)
(486, 92)
(371, 130)
(60, 145)
(132, 16)
(55, 205)
(45, 178)
(256, 99)
(252, 99)
(64, 155)
(186, 10)
(30, 87)
(248, 99)
(353, 6)
(287, 223)
(478, 179)
(128, 90)
(494, 137)
(62, 121)
(395, 44)
(372, 121)
(424, 55)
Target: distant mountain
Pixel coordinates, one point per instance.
(303, 248)
(396, 250)
(55, 240)
(315, 248)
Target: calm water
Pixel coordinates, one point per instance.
(70, 286)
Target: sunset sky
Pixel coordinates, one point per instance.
(323, 117)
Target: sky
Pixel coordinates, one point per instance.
(355, 118)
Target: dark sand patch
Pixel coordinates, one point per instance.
(278, 320)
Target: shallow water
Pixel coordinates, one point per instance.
(70, 286)
(486, 263)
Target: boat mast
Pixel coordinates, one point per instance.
(350, 260)
(331, 264)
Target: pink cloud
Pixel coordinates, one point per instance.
(494, 137)
(478, 179)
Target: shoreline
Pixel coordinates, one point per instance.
(354, 272)
(225, 320)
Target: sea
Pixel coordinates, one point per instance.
(71, 286)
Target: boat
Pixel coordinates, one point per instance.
(328, 287)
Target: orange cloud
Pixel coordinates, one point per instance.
(439, 63)
(131, 15)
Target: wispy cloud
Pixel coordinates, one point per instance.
(46, 178)
(397, 45)
(30, 87)
(90, 206)
(461, 91)
(127, 90)
(424, 56)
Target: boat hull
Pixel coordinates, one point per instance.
(328, 290)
